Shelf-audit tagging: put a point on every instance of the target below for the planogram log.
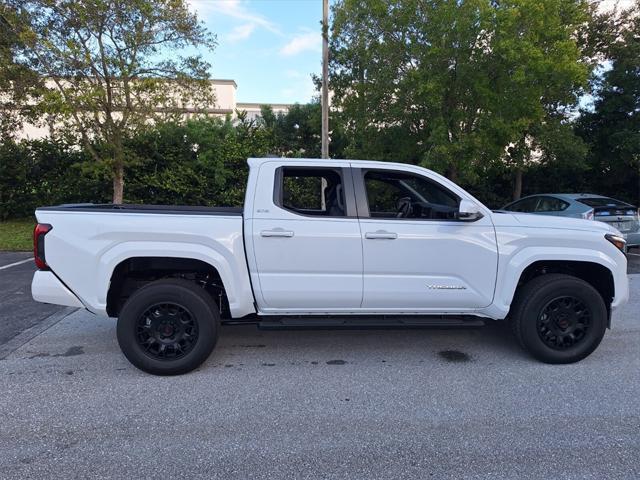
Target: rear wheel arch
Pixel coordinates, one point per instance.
(133, 273)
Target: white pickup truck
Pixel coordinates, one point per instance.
(330, 243)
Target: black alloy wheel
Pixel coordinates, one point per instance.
(564, 322)
(166, 331)
(168, 327)
(559, 318)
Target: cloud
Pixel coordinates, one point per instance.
(308, 41)
(608, 5)
(234, 9)
(241, 32)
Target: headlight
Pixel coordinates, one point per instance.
(618, 240)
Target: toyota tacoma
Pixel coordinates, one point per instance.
(327, 243)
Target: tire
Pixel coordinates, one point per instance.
(168, 327)
(558, 318)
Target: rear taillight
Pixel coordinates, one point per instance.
(588, 215)
(38, 245)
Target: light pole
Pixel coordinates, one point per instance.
(325, 79)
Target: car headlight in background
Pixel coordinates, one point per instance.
(618, 240)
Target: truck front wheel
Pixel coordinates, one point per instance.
(559, 318)
(168, 327)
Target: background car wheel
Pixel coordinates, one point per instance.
(559, 318)
(168, 327)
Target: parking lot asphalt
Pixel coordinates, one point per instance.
(323, 404)
(18, 311)
(633, 259)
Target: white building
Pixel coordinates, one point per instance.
(225, 104)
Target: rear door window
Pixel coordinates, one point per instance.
(551, 204)
(311, 191)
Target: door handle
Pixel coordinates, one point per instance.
(276, 232)
(381, 235)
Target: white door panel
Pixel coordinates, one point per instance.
(317, 264)
(428, 265)
(304, 262)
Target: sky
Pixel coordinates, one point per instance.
(269, 47)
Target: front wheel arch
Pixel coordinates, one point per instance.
(595, 274)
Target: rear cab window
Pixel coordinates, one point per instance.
(311, 191)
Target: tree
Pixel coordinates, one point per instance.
(460, 81)
(551, 144)
(199, 162)
(111, 68)
(18, 83)
(612, 126)
(296, 133)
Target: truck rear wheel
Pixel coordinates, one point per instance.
(168, 327)
(558, 318)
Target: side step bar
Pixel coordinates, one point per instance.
(380, 322)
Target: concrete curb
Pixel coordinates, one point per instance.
(22, 338)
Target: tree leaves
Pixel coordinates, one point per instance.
(612, 126)
(460, 80)
(114, 66)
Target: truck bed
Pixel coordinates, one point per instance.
(155, 209)
(87, 243)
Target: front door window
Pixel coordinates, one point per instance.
(400, 195)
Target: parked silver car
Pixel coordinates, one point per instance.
(619, 214)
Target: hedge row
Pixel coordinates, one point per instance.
(204, 163)
(196, 164)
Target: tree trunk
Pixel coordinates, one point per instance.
(452, 173)
(517, 184)
(118, 182)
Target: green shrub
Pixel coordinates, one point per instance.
(44, 172)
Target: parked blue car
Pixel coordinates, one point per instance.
(618, 214)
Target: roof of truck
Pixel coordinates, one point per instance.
(329, 161)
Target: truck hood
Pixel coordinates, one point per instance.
(565, 223)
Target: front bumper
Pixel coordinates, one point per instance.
(621, 288)
(46, 288)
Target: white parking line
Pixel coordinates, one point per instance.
(634, 254)
(17, 263)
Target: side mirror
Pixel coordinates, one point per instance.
(468, 211)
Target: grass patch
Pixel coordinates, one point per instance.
(17, 235)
